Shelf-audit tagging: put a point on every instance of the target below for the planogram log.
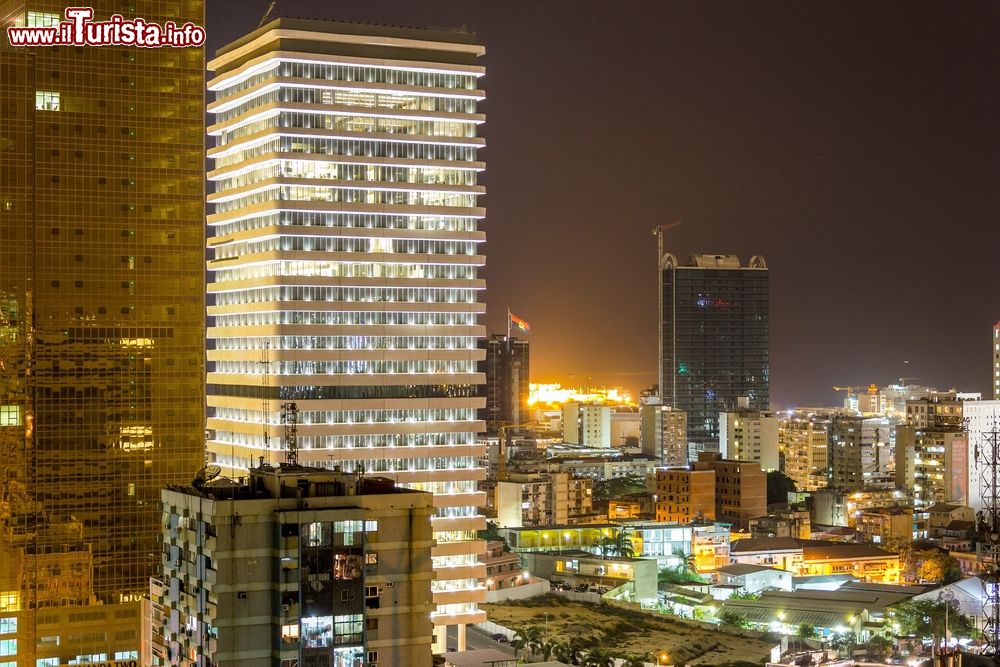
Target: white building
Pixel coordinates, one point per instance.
(587, 424)
(346, 266)
(663, 432)
(982, 420)
(749, 435)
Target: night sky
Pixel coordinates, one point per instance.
(854, 145)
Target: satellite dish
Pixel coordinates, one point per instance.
(207, 473)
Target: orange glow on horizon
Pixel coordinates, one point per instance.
(556, 394)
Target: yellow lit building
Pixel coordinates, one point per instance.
(684, 495)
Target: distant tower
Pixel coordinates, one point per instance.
(507, 371)
(996, 361)
(715, 333)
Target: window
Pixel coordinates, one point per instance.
(371, 591)
(46, 100)
(8, 647)
(43, 20)
(8, 626)
(372, 657)
(371, 559)
(10, 415)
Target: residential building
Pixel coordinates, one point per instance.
(813, 557)
(996, 361)
(802, 444)
(503, 568)
(507, 368)
(346, 263)
(855, 451)
(942, 515)
(983, 428)
(753, 578)
(587, 424)
(581, 567)
(640, 505)
(671, 544)
(625, 427)
(740, 488)
(939, 409)
(684, 495)
(542, 499)
(295, 565)
(886, 525)
(749, 435)
(714, 328)
(607, 467)
(101, 325)
(782, 523)
(663, 432)
(933, 463)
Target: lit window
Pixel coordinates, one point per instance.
(43, 20)
(46, 100)
(8, 626)
(10, 415)
(8, 647)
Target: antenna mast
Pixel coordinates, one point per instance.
(290, 421)
(987, 455)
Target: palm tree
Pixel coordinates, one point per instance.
(633, 661)
(527, 639)
(573, 649)
(623, 545)
(547, 648)
(598, 657)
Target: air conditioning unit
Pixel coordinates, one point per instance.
(286, 607)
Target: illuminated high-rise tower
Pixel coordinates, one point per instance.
(101, 325)
(713, 340)
(345, 270)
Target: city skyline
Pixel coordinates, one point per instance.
(861, 132)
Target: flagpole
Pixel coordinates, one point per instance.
(508, 324)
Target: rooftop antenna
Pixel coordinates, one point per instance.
(267, 14)
(290, 420)
(987, 457)
(265, 362)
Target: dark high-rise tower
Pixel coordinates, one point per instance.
(714, 339)
(101, 325)
(507, 381)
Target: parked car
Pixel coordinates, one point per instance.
(499, 637)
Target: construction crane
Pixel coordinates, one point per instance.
(502, 443)
(857, 389)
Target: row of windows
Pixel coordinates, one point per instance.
(302, 393)
(334, 171)
(347, 220)
(346, 270)
(352, 441)
(350, 294)
(289, 142)
(346, 244)
(347, 343)
(339, 194)
(354, 416)
(344, 318)
(349, 367)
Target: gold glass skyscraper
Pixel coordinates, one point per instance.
(101, 325)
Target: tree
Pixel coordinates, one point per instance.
(779, 485)
(939, 567)
(807, 631)
(598, 657)
(633, 661)
(926, 619)
(527, 639)
(744, 594)
(621, 545)
(606, 489)
(573, 649)
(546, 648)
(730, 619)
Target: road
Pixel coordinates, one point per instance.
(475, 639)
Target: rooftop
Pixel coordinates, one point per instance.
(740, 569)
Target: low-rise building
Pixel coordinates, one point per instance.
(672, 544)
(296, 564)
(581, 567)
(543, 499)
(885, 525)
(782, 523)
(808, 557)
(684, 495)
(632, 506)
(753, 578)
(503, 568)
(740, 488)
(601, 468)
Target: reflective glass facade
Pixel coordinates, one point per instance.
(101, 325)
(345, 270)
(714, 340)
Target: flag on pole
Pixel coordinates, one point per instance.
(518, 323)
